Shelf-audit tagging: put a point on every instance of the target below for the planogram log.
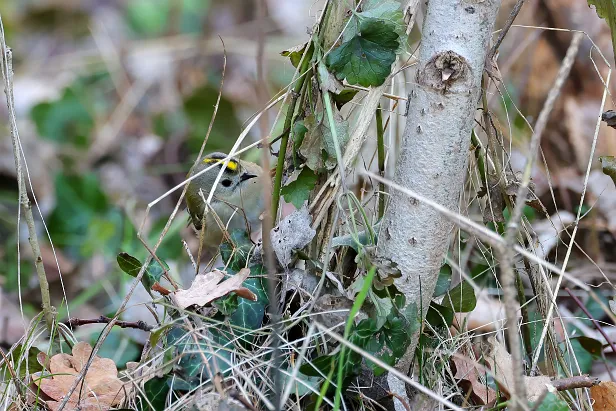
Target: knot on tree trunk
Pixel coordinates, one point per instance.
(444, 70)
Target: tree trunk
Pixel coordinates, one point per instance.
(433, 156)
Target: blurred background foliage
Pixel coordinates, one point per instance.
(114, 99)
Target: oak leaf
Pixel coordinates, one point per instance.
(101, 389)
(207, 288)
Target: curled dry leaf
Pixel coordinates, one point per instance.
(101, 388)
(293, 233)
(604, 396)
(467, 377)
(207, 288)
(501, 365)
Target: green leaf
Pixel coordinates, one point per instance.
(444, 280)
(156, 390)
(33, 364)
(344, 97)
(227, 304)
(298, 191)
(66, 120)
(299, 131)
(192, 355)
(461, 299)
(249, 314)
(129, 264)
(153, 273)
(439, 315)
(591, 345)
(235, 253)
(551, 402)
(387, 11)
(322, 364)
(156, 333)
(367, 57)
(608, 166)
(606, 9)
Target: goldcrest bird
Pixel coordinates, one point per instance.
(238, 198)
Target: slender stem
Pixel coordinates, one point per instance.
(514, 13)
(6, 62)
(380, 145)
(361, 297)
(284, 141)
(525, 328)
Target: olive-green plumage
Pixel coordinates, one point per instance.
(237, 201)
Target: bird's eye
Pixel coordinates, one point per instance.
(226, 182)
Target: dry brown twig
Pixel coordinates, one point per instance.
(7, 74)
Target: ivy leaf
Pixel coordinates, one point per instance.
(387, 11)
(298, 191)
(156, 390)
(382, 308)
(444, 280)
(299, 131)
(551, 402)
(461, 299)
(317, 367)
(439, 315)
(131, 266)
(366, 58)
(235, 253)
(606, 9)
(608, 166)
(344, 97)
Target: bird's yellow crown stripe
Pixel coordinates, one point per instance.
(231, 165)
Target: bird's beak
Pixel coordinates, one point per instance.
(247, 176)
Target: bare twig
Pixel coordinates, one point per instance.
(514, 13)
(138, 325)
(579, 381)
(24, 201)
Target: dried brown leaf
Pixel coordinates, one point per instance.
(101, 390)
(207, 288)
(604, 396)
(467, 376)
(501, 365)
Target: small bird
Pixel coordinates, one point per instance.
(237, 200)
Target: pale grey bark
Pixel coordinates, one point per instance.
(434, 152)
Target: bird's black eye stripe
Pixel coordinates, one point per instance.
(226, 182)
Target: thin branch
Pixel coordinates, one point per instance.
(138, 325)
(514, 13)
(579, 381)
(7, 75)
